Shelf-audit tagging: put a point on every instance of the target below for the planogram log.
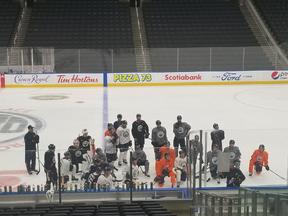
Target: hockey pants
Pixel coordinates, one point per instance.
(180, 175)
(30, 158)
(258, 167)
(144, 163)
(213, 173)
(172, 177)
(51, 177)
(176, 143)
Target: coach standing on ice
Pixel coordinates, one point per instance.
(31, 139)
(140, 131)
(180, 130)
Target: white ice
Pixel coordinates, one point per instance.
(249, 114)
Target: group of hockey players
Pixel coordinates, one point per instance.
(98, 165)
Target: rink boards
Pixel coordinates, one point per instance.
(143, 79)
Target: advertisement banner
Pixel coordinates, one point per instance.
(232, 76)
(151, 78)
(275, 76)
(53, 80)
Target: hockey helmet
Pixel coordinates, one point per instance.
(166, 154)
(98, 169)
(179, 117)
(158, 122)
(124, 122)
(84, 131)
(232, 142)
(51, 146)
(215, 125)
(30, 127)
(98, 150)
(97, 161)
(215, 146)
(138, 115)
(134, 158)
(262, 146)
(182, 152)
(119, 116)
(67, 153)
(107, 169)
(196, 136)
(137, 147)
(75, 141)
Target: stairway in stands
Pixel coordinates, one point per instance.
(261, 39)
(143, 62)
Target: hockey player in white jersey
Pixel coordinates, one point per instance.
(126, 171)
(106, 178)
(67, 168)
(124, 142)
(180, 166)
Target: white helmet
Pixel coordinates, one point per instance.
(84, 131)
(75, 141)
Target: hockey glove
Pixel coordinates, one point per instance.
(130, 143)
(127, 175)
(267, 168)
(165, 172)
(146, 135)
(71, 167)
(36, 139)
(237, 182)
(257, 163)
(159, 179)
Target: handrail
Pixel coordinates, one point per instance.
(269, 38)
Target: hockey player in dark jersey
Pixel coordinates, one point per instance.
(217, 136)
(50, 166)
(234, 177)
(140, 131)
(101, 156)
(85, 142)
(76, 154)
(93, 177)
(118, 122)
(31, 139)
(159, 137)
(196, 148)
(180, 129)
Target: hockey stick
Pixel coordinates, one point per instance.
(277, 174)
(38, 158)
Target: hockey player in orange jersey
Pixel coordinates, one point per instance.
(168, 149)
(258, 160)
(164, 168)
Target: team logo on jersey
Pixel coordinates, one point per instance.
(183, 164)
(160, 134)
(140, 128)
(232, 155)
(259, 158)
(215, 160)
(78, 153)
(85, 143)
(180, 129)
(125, 134)
(13, 126)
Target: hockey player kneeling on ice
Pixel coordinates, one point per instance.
(258, 160)
(93, 177)
(76, 154)
(159, 137)
(124, 142)
(95, 164)
(67, 168)
(212, 160)
(141, 157)
(126, 171)
(164, 168)
(50, 166)
(106, 178)
(181, 168)
(85, 143)
(101, 156)
(234, 178)
(167, 149)
(235, 153)
(111, 142)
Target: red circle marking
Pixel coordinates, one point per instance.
(9, 181)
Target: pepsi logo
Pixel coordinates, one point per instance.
(275, 75)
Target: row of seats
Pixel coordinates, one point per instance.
(8, 20)
(122, 209)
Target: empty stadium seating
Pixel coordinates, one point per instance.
(203, 25)
(275, 14)
(8, 20)
(105, 209)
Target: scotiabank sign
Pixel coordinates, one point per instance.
(183, 77)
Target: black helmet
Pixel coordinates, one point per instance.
(51, 146)
(138, 115)
(107, 169)
(261, 146)
(119, 116)
(124, 122)
(231, 141)
(97, 161)
(215, 125)
(134, 158)
(98, 169)
(166, 154)
(215, 146)
(98, 150)
(179, 117)
(158, 122)
(66, 153)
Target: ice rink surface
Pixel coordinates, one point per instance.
(249, 114)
